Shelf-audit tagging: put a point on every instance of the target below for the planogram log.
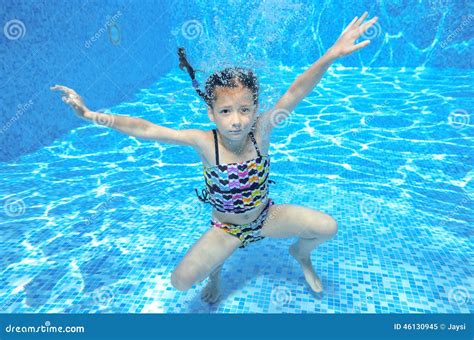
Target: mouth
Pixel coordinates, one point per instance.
(236, 131)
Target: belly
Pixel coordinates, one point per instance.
(243, 218)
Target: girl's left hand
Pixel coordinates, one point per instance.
(345, 43)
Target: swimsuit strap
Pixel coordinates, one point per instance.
(216, 146)
(254, 143)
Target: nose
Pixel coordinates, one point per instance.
(236, 123)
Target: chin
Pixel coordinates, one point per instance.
(239, 135)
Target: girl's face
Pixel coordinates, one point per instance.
(233, 112)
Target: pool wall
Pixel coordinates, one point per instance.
(107, 50)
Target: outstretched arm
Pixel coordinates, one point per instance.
(132, 126)
(306, 82)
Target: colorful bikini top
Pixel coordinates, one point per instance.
(236, 187)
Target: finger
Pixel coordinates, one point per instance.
(59, 88)
(350, 25)
(353, 21)
(65, 90)
(366, 26)
(360, 45)
(361, 19)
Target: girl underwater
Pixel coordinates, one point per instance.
(236, 166)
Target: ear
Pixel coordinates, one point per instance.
(210, 113)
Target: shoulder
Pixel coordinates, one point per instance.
(196, 137)
(262, 134)
(202, 141)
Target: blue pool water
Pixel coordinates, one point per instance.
(94, 221)
(97, 221)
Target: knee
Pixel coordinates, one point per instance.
(326, 227)
(179, 281)
(330, 227)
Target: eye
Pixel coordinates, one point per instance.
(245, 109)
(224, 111)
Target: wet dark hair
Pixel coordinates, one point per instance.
(229, 77)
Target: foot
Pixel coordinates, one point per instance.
(211, 293)
(309, 274)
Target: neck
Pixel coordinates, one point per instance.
(235, 146)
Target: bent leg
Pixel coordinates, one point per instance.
(208, 253)
(290, 220)
(311, 226)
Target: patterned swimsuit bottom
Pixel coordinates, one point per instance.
(249, 232)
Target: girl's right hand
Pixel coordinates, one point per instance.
(69, 96)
